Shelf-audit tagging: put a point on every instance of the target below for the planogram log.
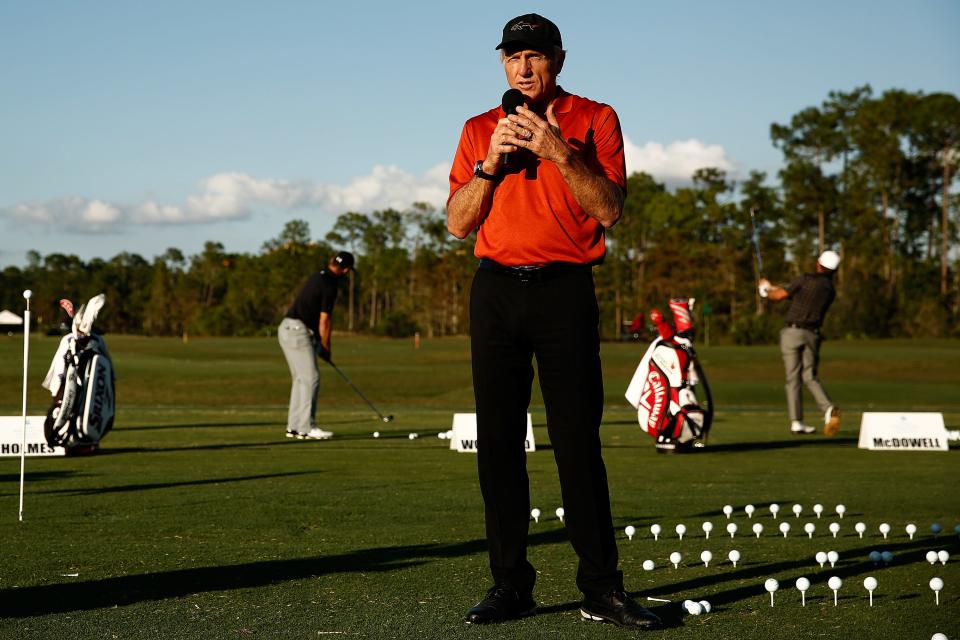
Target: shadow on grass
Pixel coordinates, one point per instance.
(199, 425)
(25, 602)
(227, 423)
(37, 476)
(128, 488)
(799, 441)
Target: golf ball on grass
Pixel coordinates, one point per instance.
(784, 528)
(734, 556)
(706, 557)
(821, 558)
(681, 529)
(630, 530)
(535, 514)
(884, 529)
(860, 528)
(749, 509)
(802, 585)
(835, 583)
(732, 529)
(943, 555)
(376, 434)
(655, 530)
(675, 559)
(870, 584)
(728, 511)
(833, 557)
(693, 608)
(758, 529)
(911, 529)
(771, 585)
(932, 557)
(648, 565)
(936, 584)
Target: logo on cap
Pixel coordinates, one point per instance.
(520, 26)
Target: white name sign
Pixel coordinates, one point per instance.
(903, 432)
(11, 437)
(464, 437)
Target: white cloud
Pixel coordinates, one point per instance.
(235, 195)
(676, 162)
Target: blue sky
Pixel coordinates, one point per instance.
(135, 126)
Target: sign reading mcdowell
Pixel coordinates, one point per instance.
(903, 432)
(11, 437)
(465, 433)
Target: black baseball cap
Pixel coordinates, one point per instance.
(344, 259)
(533, 30)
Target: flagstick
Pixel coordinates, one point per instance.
(26, 356)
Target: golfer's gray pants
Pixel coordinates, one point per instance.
(297, 344)
(801, 355)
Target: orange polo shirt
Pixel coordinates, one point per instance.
(534, 218)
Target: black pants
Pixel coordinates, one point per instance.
(556, 321)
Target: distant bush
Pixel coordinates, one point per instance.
(396, 324)
(753, 329)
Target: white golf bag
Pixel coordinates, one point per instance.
(82, 382)
(669, 388)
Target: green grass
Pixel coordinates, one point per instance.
(199, 520)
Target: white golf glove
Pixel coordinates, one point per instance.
(764, 288)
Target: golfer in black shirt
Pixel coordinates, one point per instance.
(811, 295)
(304, 334)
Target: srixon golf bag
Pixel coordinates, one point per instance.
(669, 389)
(82, 382)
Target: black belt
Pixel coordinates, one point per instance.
(535, 273)
(798, 325)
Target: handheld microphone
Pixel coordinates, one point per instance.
(512, 98)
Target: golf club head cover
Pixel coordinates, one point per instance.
(681, 314)
(664, 328)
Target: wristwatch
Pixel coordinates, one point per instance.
(479, 172)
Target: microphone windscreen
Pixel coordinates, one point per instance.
(512, 98)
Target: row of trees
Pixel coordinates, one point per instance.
(868, 176)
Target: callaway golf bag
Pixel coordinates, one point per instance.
(82, 382)
(669, 389)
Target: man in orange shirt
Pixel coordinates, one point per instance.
(539, 187)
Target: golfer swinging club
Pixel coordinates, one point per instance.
(304, 334)
(811, 295)
(540, 216)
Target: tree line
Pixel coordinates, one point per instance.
(869, 176)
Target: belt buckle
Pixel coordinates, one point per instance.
(526, 274)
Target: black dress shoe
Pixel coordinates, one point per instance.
(618, 608)
(501, 603)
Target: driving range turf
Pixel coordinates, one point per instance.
(199, 519)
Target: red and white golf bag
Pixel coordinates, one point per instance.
(669, 388)
(82, 382)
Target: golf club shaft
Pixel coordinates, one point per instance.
(355, 388)
(756, 241)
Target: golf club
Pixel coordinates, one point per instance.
(756, 241)
(359, 393)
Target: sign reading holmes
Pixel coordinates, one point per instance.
(903, 432)
(464, 437)
(11, 437)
